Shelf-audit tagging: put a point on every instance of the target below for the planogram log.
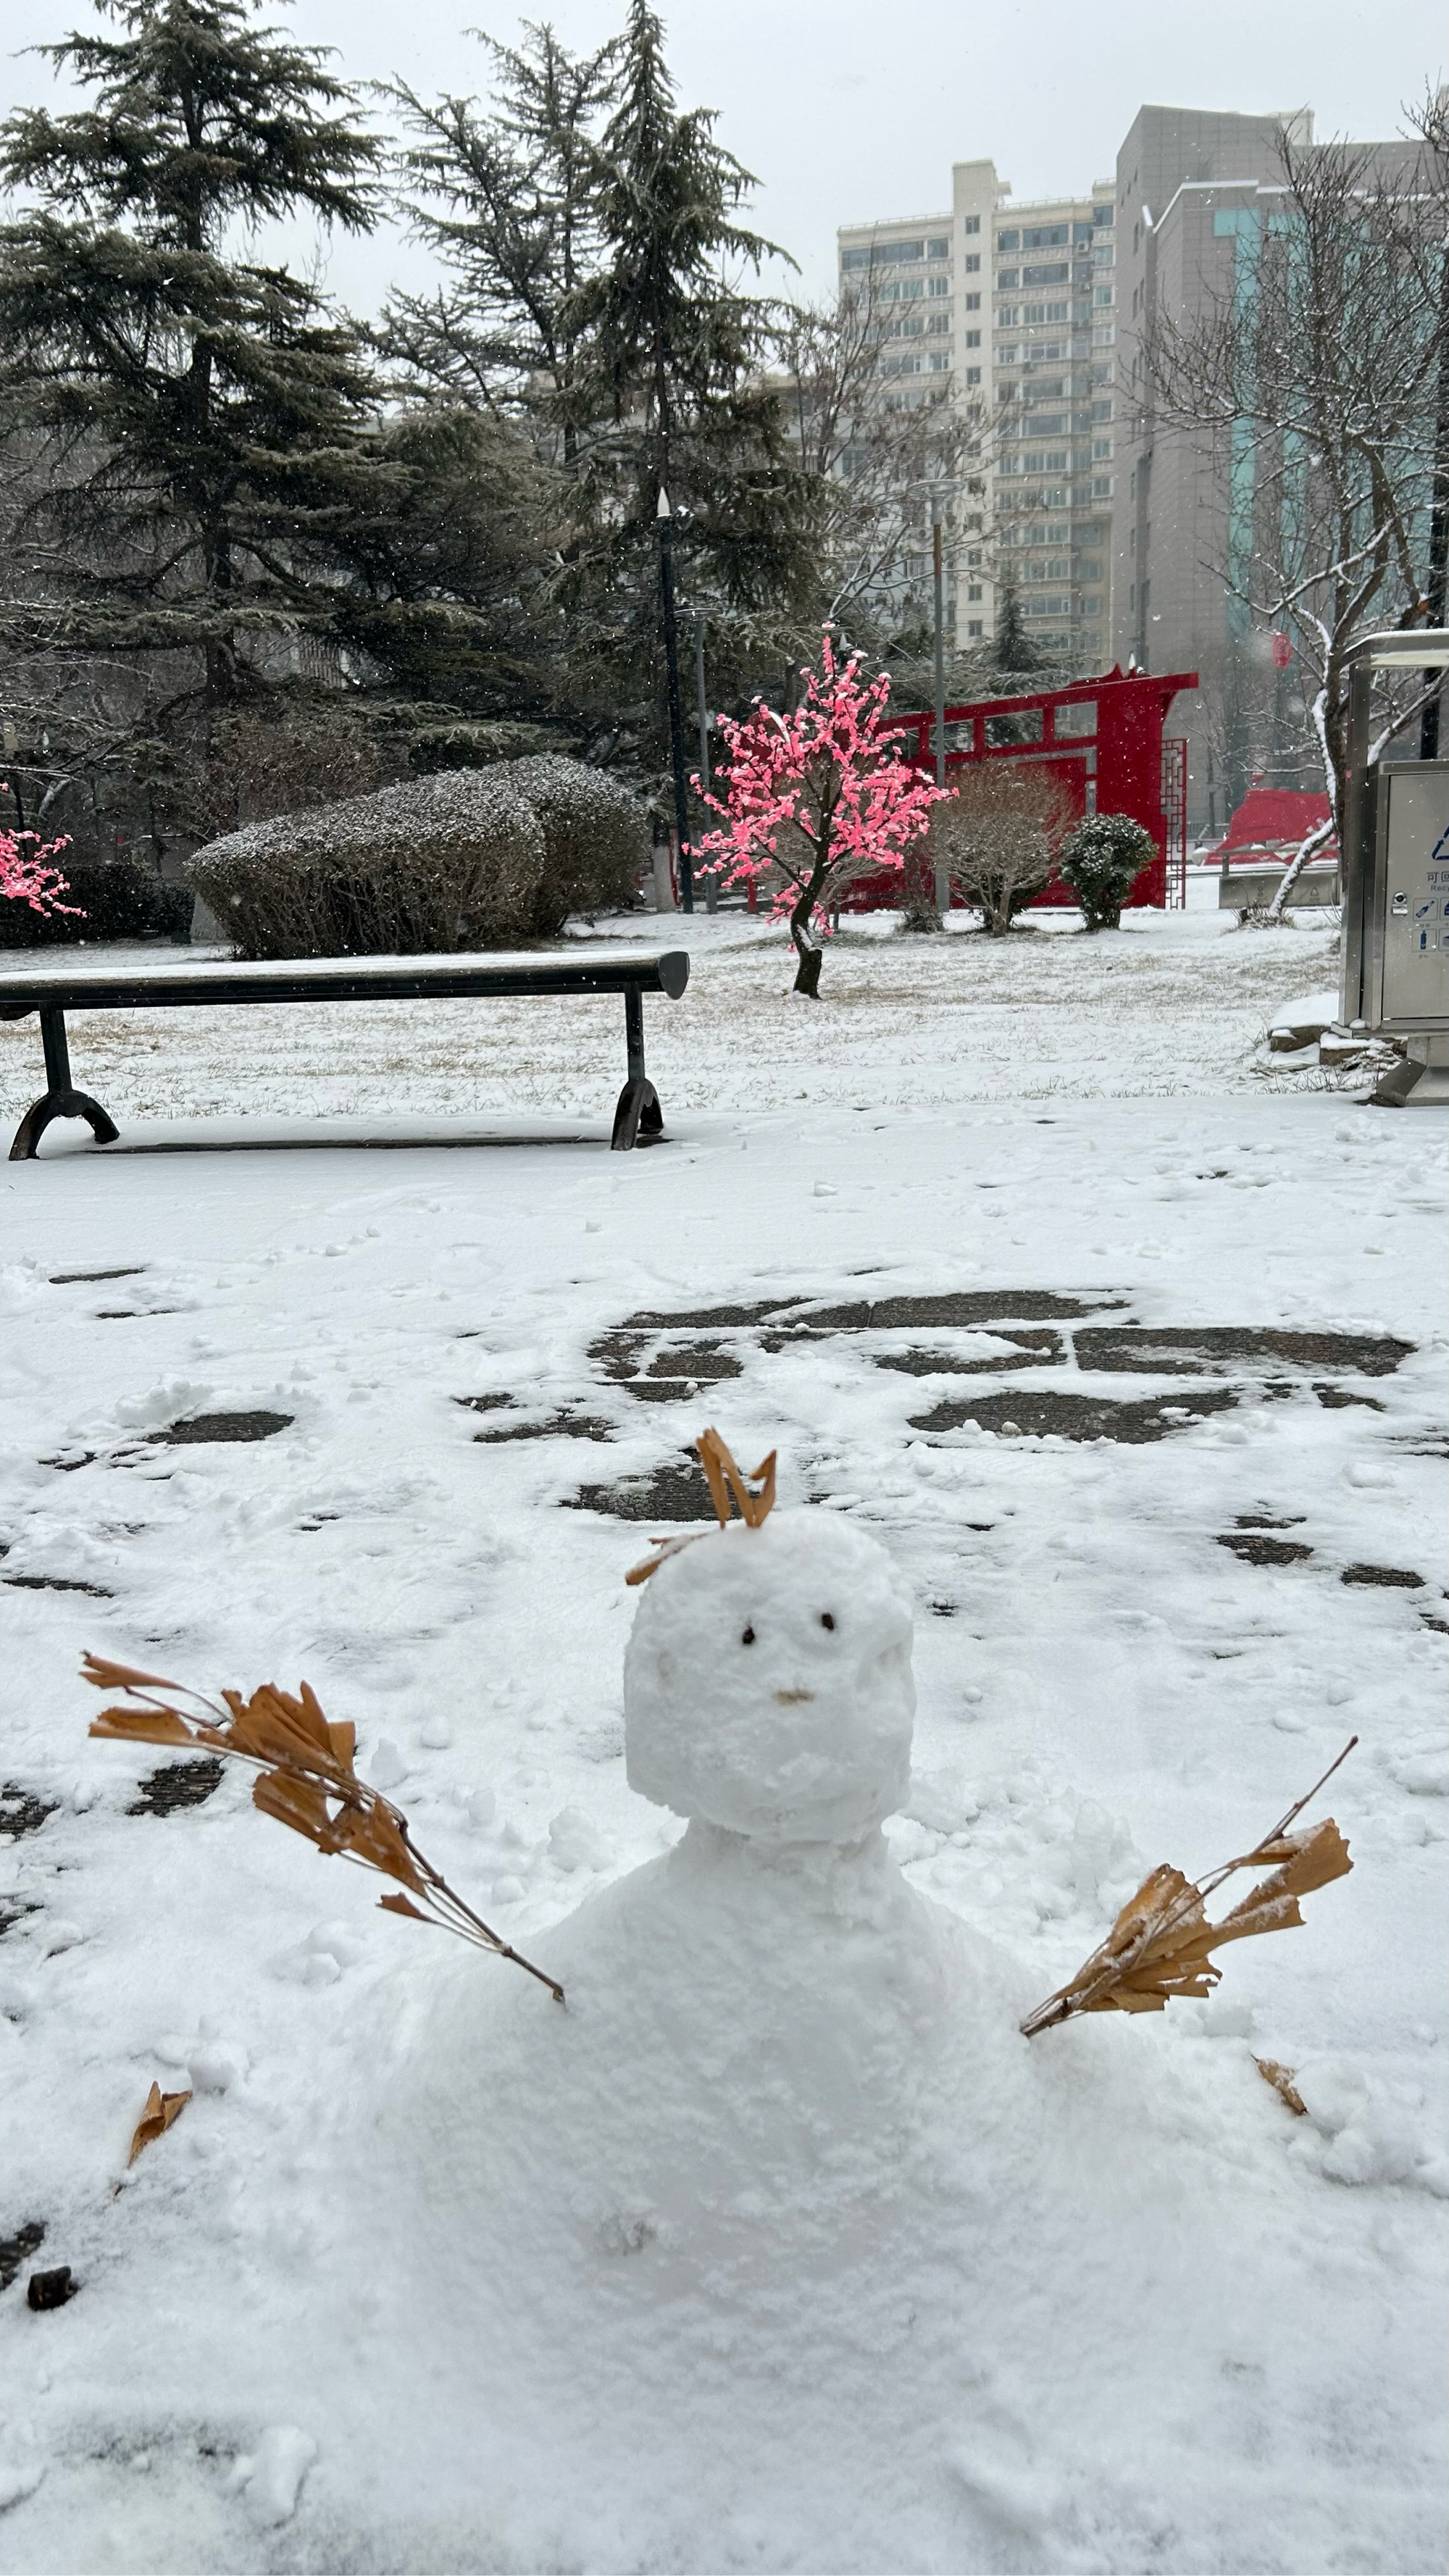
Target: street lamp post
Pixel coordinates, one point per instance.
(665, 522)
(942, 888)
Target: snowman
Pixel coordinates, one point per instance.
(755, 2055)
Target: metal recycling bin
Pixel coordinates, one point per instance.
(1395, 973)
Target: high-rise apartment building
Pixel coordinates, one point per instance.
(1116, 536)
(1196, 194)
(1008, 313)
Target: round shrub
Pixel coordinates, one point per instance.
(460, 859)
(1101, 861)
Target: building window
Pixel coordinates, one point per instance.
(1007, 316)
(1101, 448)
(1101, 295)
(1006, 357)
(1048, 313)
(973, 590)
(1043, 236)
(938, 248)
(937, 286)
(1102, 255)
(973, 339)
(1055, 273)
(938, 323)
(1101, 214)
(1007, 277)
(939, 363)
(972, 224)
(1092, 607)
(973, 625)
(1101, 411)
(973, 375)
(1008, 241)
(1103, 339)
(973, 303)
(1081, 232)
(972, 262)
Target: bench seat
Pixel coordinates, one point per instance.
(96, 984)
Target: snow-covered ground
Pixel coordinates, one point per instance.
(1222, 2347)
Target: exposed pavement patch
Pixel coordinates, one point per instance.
(1045, 1413)
(199, 1427)
(1255, 1549)
(19, 1812)
(178, 1784)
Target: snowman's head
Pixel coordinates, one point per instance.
(767, 1684)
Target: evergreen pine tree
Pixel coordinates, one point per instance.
(585, 227)
(678, 354)
(1015, 656)
(192, 422)
(509, 204)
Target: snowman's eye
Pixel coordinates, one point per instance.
(748, 1638)
(827, 1618)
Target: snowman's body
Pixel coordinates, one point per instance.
(780, 2246)
(755, 2054)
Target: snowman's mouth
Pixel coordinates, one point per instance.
(791, 1699)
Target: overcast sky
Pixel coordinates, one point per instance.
(855, 111)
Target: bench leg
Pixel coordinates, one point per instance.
(638, 1120)
(61, 1100)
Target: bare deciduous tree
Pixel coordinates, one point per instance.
(997, 833)
(1316, 375)
(872, 468)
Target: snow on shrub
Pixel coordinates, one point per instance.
(463, 859)
(1102, 860)
(596, 837)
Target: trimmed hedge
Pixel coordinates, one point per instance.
(462, 859)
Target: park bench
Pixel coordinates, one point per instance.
(217, 983)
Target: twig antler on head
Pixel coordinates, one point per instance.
(725, 1481)
(725, 1478)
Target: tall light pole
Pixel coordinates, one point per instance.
(665, 521)
(943, 889)
(703, 703)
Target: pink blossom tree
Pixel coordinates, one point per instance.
(820, 797)
(27, 877)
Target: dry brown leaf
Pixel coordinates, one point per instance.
(667, 1547)
(1310, 1861)
(1281, 2079)
(105, 1675)
(1162, 1941)
(161, 2109)
(143, 1726)
(298, 1803)
(402, 1905)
